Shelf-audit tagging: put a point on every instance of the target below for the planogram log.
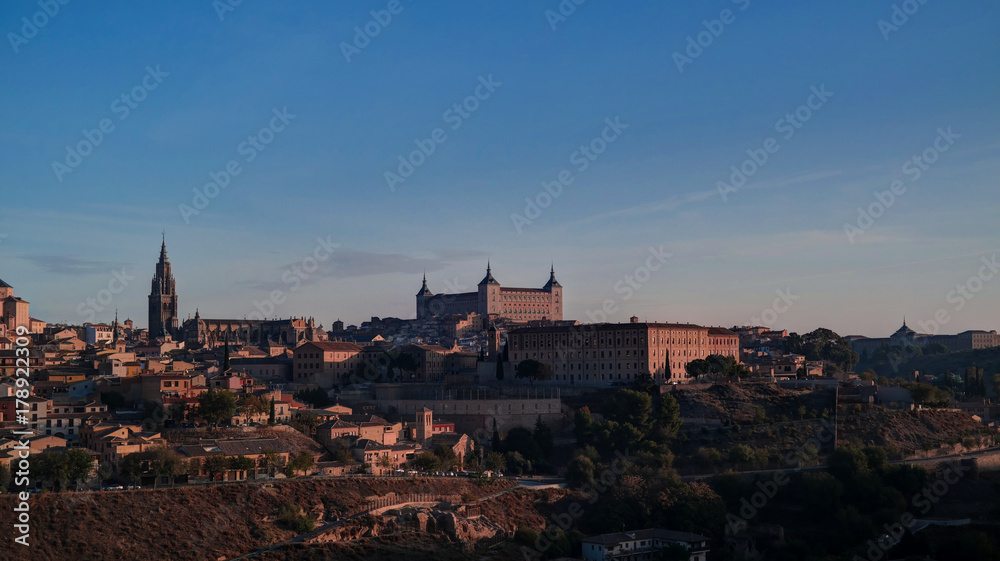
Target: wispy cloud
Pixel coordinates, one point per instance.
(66, 265)
(677, 201)
(342, 264)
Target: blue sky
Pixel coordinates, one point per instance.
(656, 184)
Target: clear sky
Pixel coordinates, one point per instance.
(197, 85)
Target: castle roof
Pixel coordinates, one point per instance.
(552, 279)
(424, 291)
(488, 279)
(4, 285)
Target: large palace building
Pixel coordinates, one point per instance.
(603, 353)
(491, 299)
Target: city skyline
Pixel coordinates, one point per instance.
(644, 124)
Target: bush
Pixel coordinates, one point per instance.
(526, 536)
(290, 517)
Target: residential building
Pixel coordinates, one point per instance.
(642, 545)
(325, 363)
(114, 441)
(13, 310)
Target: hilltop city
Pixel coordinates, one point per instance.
(495, 387)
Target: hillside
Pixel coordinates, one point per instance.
(739, 403)
(905, 433)
(212, 522)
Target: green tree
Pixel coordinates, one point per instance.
(493, 461)
(194, 467)
(251, 406)
(848, 463)
(164, 462)
(533, 370)
(516, 463)
(500, 367)
(79, 465)
(583, 426)
(674, 552)
(543, 436)
(447, 456)
(935, 349)
(302, 461)
(384, 462)
(217, 406)
(215, 466)
(428, 461)
(103, 474)
(50, 467)
(131, 468)
(271, 419)
(708, 457)
(644, 383)
(741, 455)
(520, 439)
(4, 476)
(630, 406)
(667, 414)
(272, 460)
(242, 463)
(315, 397)
(698, 367)
(823, 344)
(306, 423)
(580, 471)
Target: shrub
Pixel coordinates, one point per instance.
(526, 536)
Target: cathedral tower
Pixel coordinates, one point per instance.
(162, 299)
